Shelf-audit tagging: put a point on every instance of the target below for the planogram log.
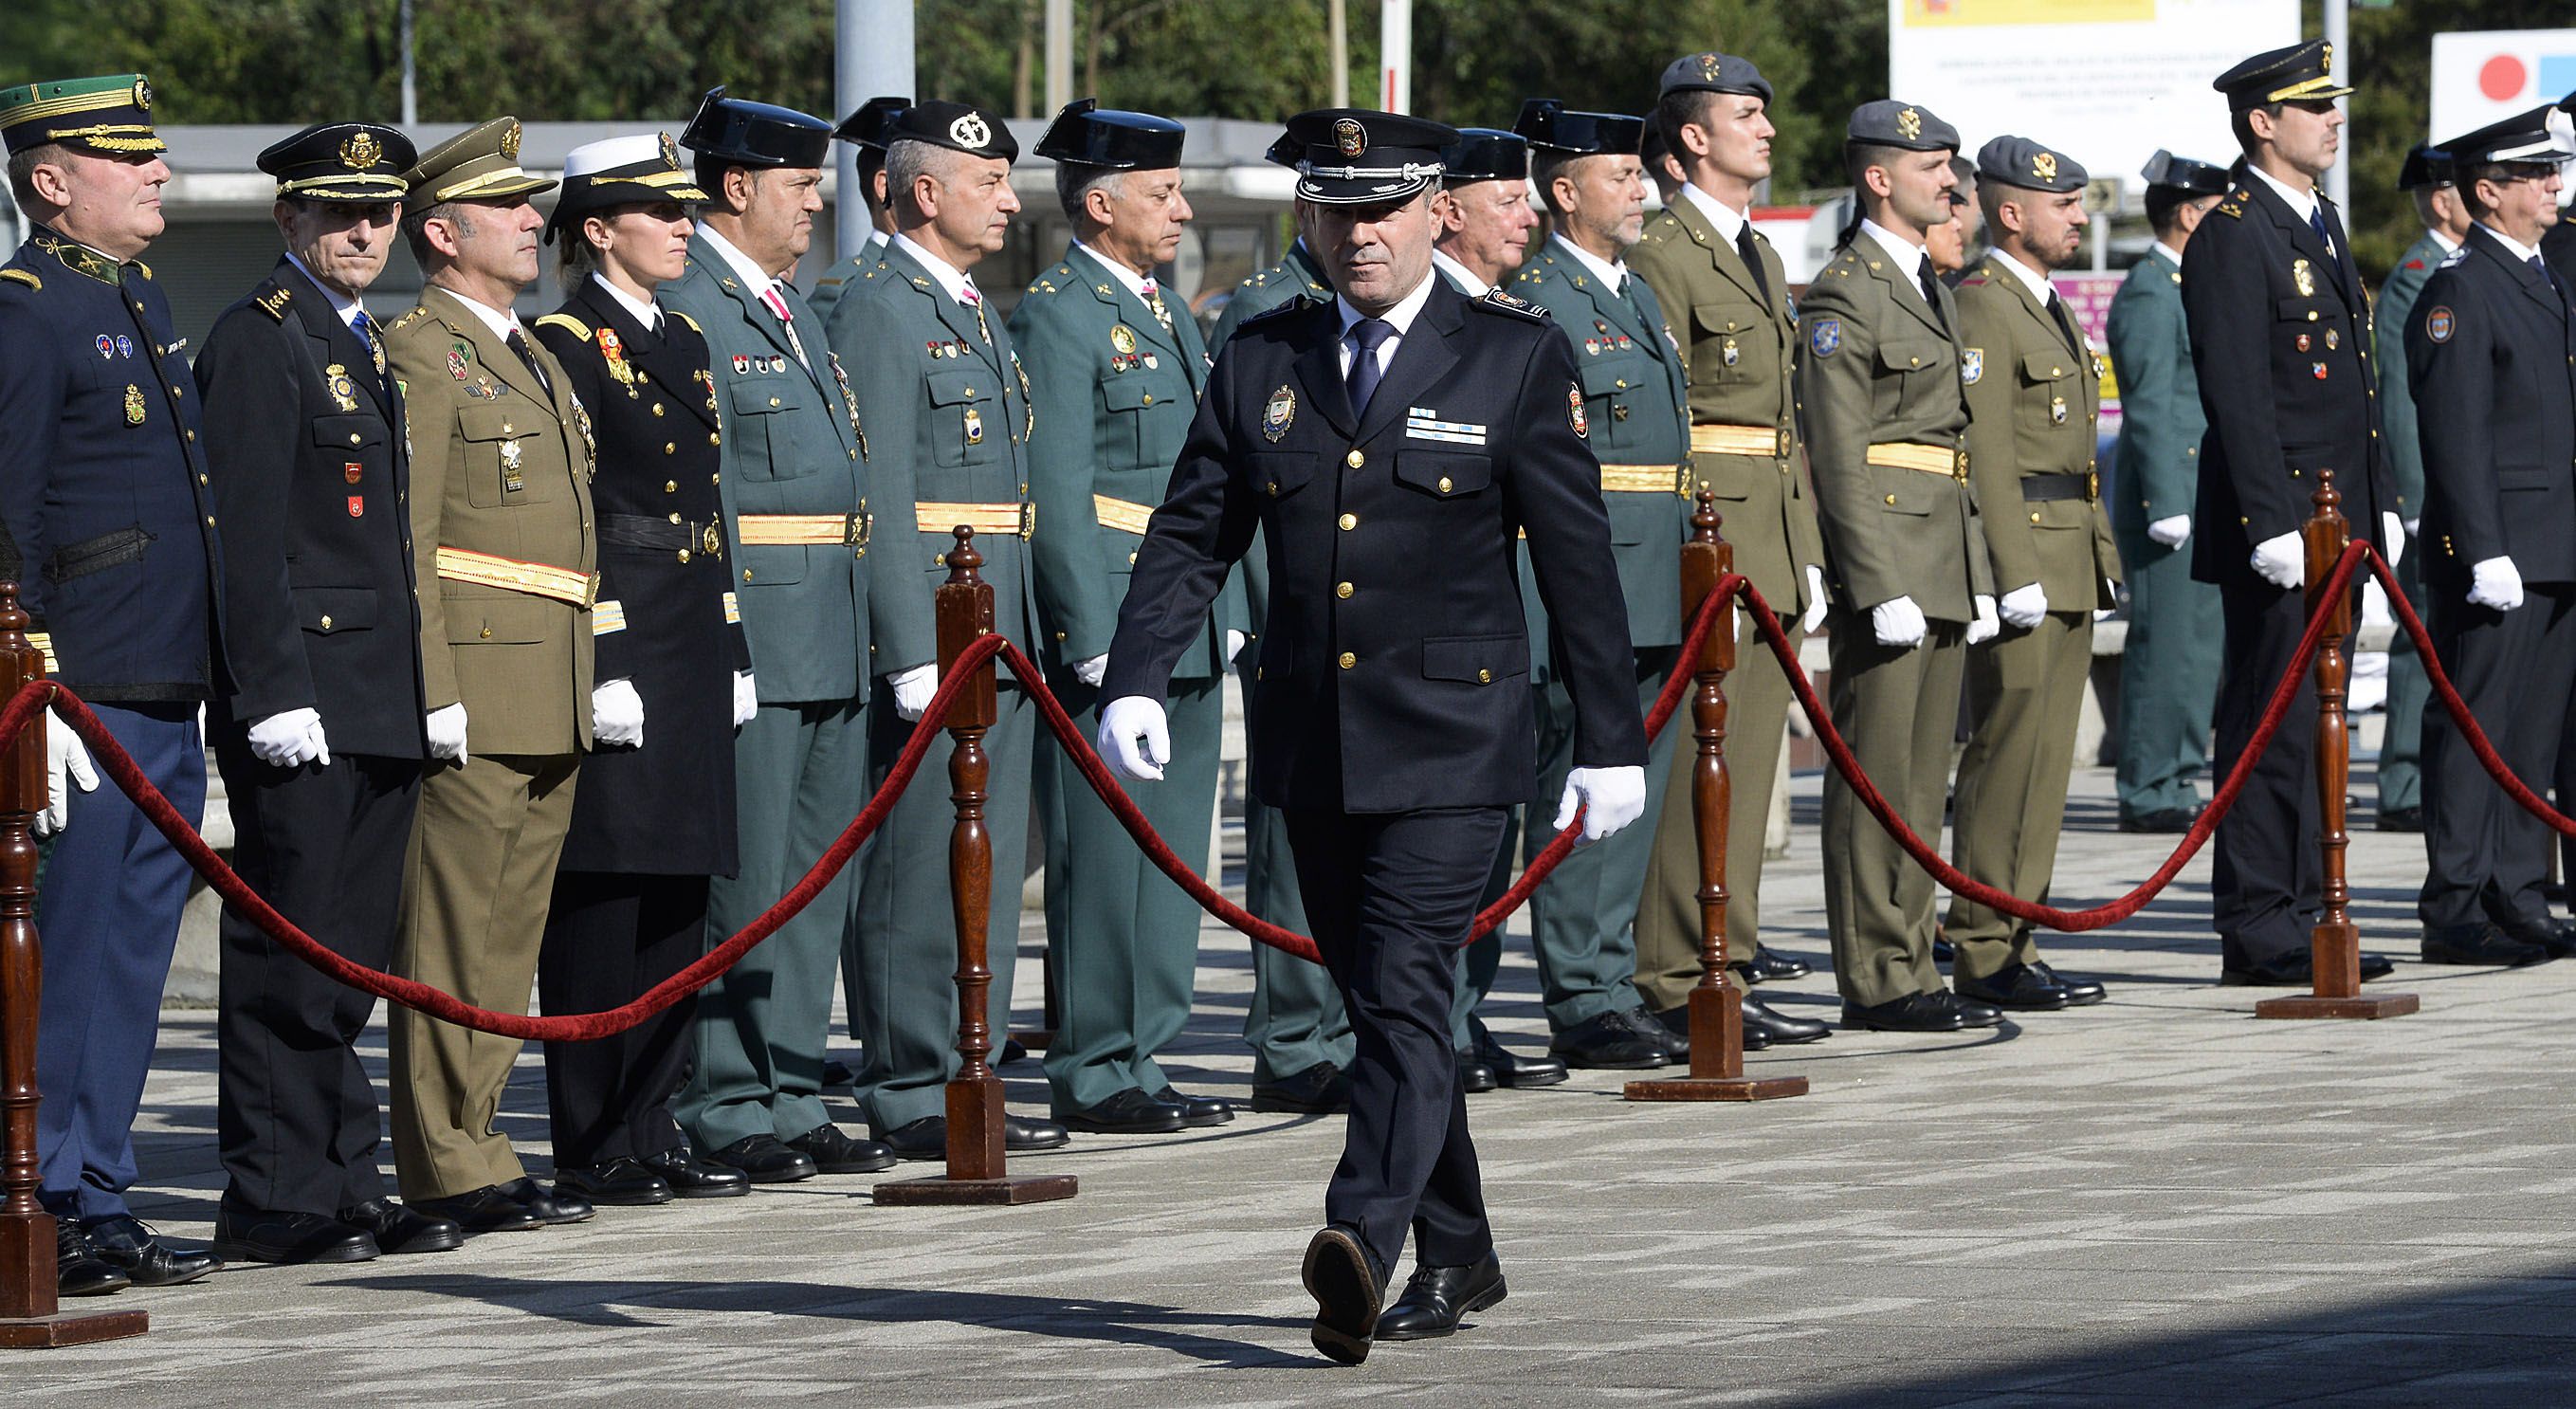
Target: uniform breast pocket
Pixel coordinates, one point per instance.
(347, 433)
(333, 611)
(500, 445)
(967, 426)
(762, 451)
(1724, 327)
(1130, 403)
(1915, 359)
(2048, 379)
(1610, 391)
(1475, 660)
(1912, 492)
(1443, 474)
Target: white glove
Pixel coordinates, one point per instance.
(2023, 606)
(2171, 532)
(1612, 798)
(1897, 623)
(290, 740)
(66, 762)
(1987, 626)
(746, 699)
(2496, 583)
(913, 689)
(1136, 740)
(617, 715)
(447, 733)
(2392, 538)
(1090, 671)
(1235, 641)
(2282, 561)
(1816, 603)
(2413, 526)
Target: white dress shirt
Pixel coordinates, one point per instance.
(1401, 316)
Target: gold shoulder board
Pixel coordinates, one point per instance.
(21, 276)
(566, 322)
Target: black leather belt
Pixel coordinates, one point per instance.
(659, 535)
(2039, 489)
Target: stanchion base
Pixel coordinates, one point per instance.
(71, 1328)
(2309, 1005)
(1014, 1189)
(1717, 1088)
(1036, 1039)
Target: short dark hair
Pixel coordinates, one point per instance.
(2239, 122)
(415, 225)
(1679, 109)
(1859, 157)
(22, 171)
(871, 166)
(1547, 164)
(2466, 179)
(711, 174)
(2165, 205)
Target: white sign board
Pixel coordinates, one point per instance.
(2490, 75)
(2104, 81)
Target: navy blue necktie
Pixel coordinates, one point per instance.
(1367, 336)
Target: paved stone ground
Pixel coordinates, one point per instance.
(2159, 1201)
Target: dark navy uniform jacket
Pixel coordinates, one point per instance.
(667, 619)
(305, 444)
(2281, 342)
(2492, 353)
(108, 513)
(1395, 661)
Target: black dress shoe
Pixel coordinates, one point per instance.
(1475, 1075)
(622, 1182)
(1339, 1274)
(1198, 1112)
(1677, 1022)
(693, 1178)
(838, 1075)
(1778, 1029)
(398, 1229)
(1512, 1069)
(2080, 992)
(2170, 820)
(927, 1138)
(836, 1151)
(1971, 1012)
(1011, 1052)
(78, 1269)
(764, 1159)
(549, 1205)
(1642, 1021)
(2556, 936)
(2400, 819)
(1320, 1089)
(1915, 1012)
(281, 1236)
(1943, 951)
(484, 1210)
(1606, 1042)
(2482, 943)
(1437, 1297)
(132, 1247)
(1128, 1112)
(2017, 986)
(1771, 966)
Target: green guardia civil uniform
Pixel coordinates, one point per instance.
(2169, 663)
(1633, 393)
(1878, 375)
(943, 395)
(1115, 381)
(1295, 1019)
(1737, 334)
(2401, 748)
(799, 489)
(831, 283)
(2033, 387)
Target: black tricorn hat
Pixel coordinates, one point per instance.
(1550, 124)
(1113, 139)
(867, 126)
(755, 134)
(1486, 154)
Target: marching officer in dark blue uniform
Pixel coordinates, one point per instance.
(1390, 446)
(107, 522)
(321, 739)
(654, 819)
(2491, 349)
(2289, 392)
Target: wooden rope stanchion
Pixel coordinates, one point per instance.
(30, 1311)
(1716, 1004)
(2335, 944)
(976, 1173)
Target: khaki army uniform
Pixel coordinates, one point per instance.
(1878, 375)
(2033, 388)
(1737, 335)
(502, 524)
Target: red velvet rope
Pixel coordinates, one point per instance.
(1958, 882)
(2470, 732)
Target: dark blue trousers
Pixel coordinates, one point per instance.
(108, 917)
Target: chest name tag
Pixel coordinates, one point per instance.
(1421, 423)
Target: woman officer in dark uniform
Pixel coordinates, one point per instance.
(654, 818)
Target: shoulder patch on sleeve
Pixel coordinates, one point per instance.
(274, 302)
(568, 323)
(21, 276)
(1496, 301)
(2440, 322)
(2415, 264)
(1826, 337)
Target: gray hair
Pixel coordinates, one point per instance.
(1074, 183)
(908, 159)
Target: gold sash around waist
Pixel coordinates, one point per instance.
(813, 530)
(1930, 459)
(1739, 440)
(942, 516)
(536, 579)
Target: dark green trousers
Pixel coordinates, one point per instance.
(1123, 939)
(2401, 744)
(2168, 679)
